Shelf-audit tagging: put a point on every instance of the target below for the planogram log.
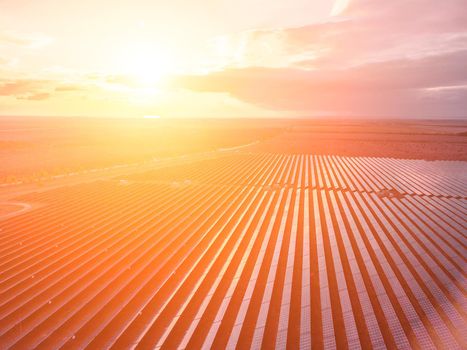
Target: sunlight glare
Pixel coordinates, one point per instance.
(339, 7)
(147, 64)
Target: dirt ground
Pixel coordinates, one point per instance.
(41, 147)
(409, 139)
(404, 146)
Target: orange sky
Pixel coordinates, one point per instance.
(240, 58)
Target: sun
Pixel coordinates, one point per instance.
(145, 63)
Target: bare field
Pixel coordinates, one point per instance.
(36, 148)
(298, 239)
(430, 141)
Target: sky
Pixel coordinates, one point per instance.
(243, 58)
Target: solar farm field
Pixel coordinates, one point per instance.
(241, 249)
(328, 235)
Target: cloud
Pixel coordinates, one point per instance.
(26, 89)
(416, 87)
(26, 40)
(36, 97)
(422, 16)
(18, 87)
(367, 30)
(399, 57)
(67, 88)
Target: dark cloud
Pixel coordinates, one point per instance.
(418, 87)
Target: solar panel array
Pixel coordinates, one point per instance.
(243, 251)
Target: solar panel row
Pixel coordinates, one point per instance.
(247, 250)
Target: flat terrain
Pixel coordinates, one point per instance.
(405, 140)
(36, 148)
(329, 234)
